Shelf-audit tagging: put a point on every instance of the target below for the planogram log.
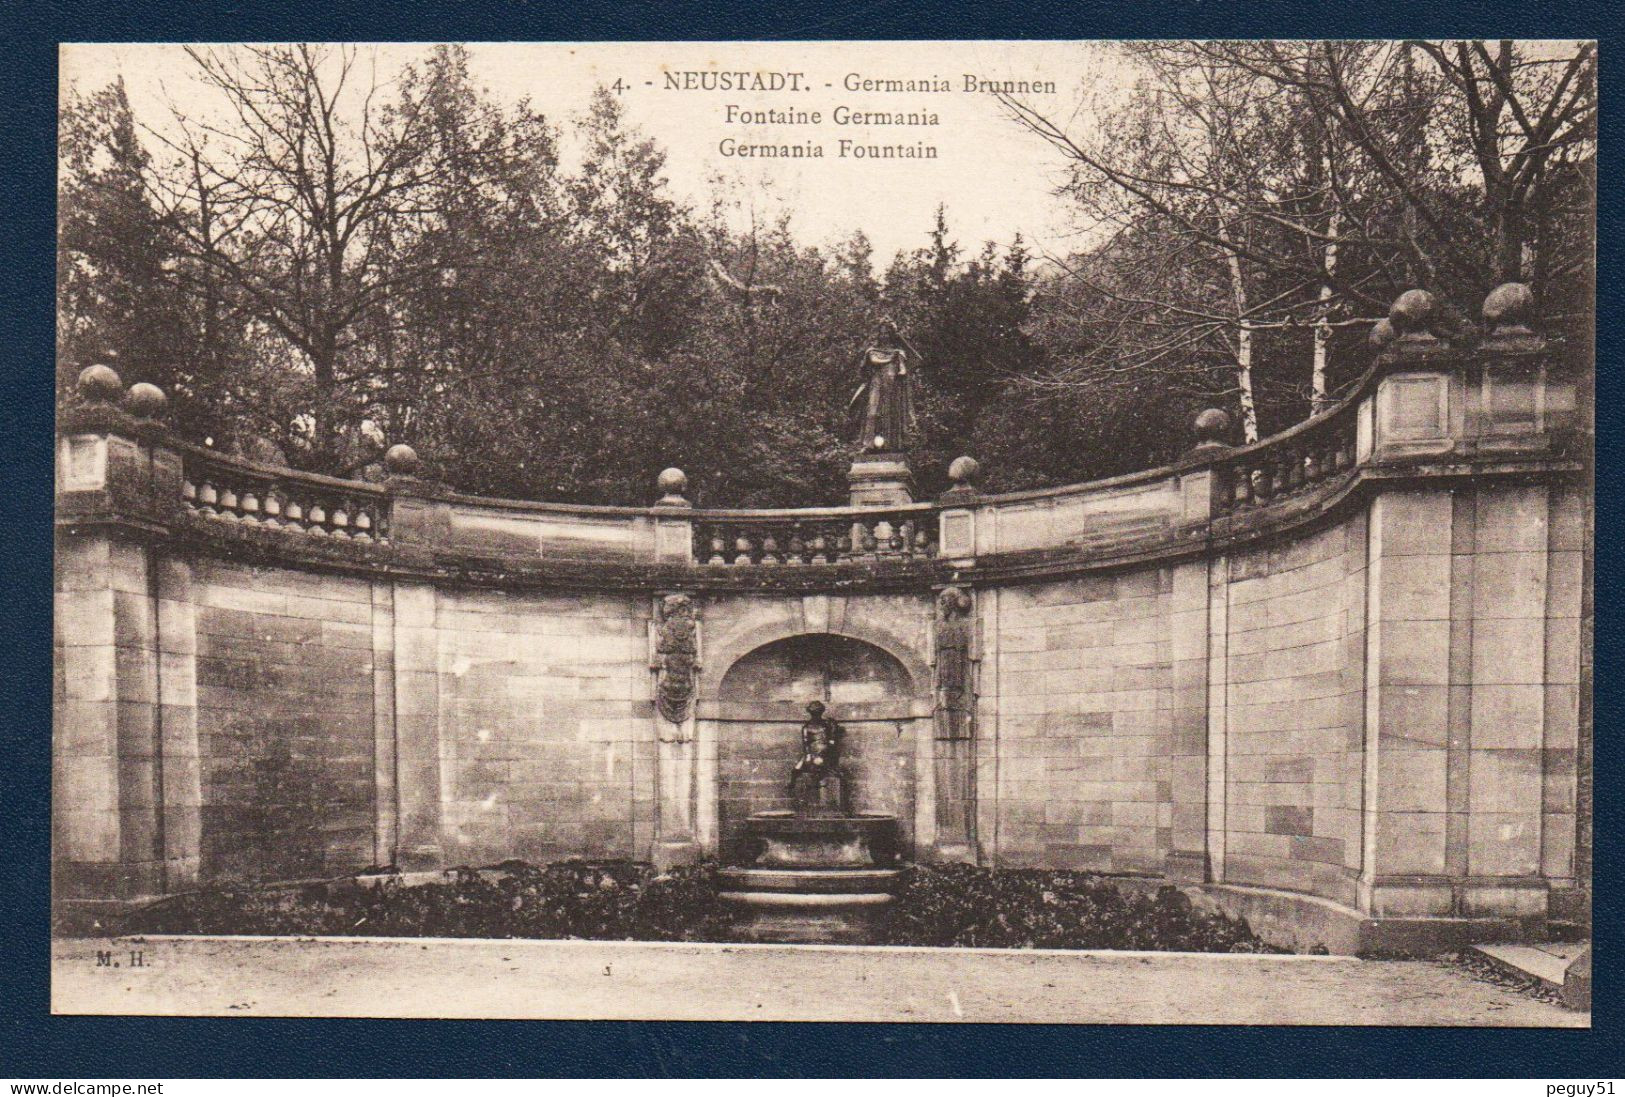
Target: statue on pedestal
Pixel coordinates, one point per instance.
(885, 399)
(821, 741)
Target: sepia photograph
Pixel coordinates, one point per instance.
(1070, 532)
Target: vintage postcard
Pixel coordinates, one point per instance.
(1089, 531)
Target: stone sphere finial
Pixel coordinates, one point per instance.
(963, 471)
(1212, 428)
(100, 384)
(1509, 306)
(1411, 311)
(401, 460)
(672, 483)
(145, 401)
(1382, 333)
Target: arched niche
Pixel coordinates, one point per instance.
(761, 704)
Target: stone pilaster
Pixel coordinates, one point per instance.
(948, 768)
(1217, 689)
(1506, 760)
(707, 775)
(984, 778)
(675, 745)
(1407, 707)
(417, 726)
(674, 634)
(931, 771)
(419, 521)
(107, 768)
(675, 843)
(1189, 614)
(180, 774)
(1560, 803)
(1188, 635)
(674, 526)
(126, 797)
(386, 791)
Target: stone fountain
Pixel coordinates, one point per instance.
(820, 872)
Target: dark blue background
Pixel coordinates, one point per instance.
(34, 1044)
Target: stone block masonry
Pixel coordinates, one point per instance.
(545, 726)
(1380, 712)
(1293, 712)
(1085, 724)
(283, 666)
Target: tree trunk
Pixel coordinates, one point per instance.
(1509, 244)
(1244, 346)
(324, 421)
(1323, 322)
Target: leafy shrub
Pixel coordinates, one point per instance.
(613, 900)
(937, 905)
(971, 907)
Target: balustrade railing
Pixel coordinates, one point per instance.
(1314, 453)
(1274, 470)
(233, 491)
(767, 539)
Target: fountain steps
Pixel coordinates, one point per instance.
(818, 880)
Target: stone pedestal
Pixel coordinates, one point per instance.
(881, 480)
(675, 844)
(829, 798)
(955, 801)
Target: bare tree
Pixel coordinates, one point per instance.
(294, 206)
(1221, 226)
(1286, 191)
(1505, 118)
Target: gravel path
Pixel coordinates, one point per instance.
(600, 980)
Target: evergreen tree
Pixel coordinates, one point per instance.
(116, 297)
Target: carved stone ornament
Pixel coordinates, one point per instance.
(676, 649)
(954, 685)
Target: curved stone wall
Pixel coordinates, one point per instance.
(1342, 664)
(1291, 635)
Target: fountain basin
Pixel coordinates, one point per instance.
(783, 839)
(813, 878)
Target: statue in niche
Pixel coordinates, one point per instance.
(821, 742)
(953, 650)
(885, 400)
(676, 650)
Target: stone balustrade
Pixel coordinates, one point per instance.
(1318, 450)
(228, 490)
(1430, 395)
(767, 538)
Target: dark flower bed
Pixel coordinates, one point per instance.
(937, 905)
(614, 900)
(969, 907)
